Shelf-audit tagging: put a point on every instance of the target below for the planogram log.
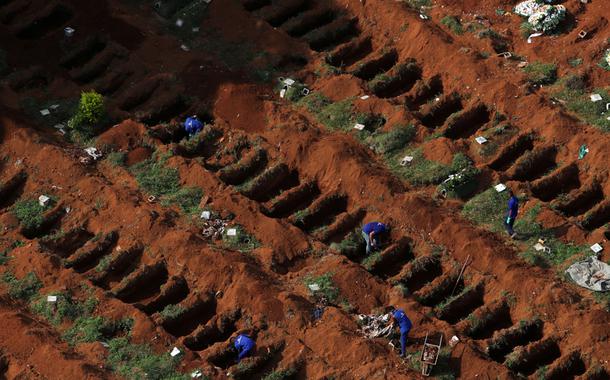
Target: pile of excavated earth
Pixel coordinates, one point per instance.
(144, 256)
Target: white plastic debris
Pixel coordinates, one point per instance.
(359, 126)
(423, 16)
(453, 341)
(597, 248)
(542, 17)
(45, 112)
(185, 48)
(205, 215)
(196, 374)
(305, 91)
(500, 187)
(44, 201)
(69, 32)
(596, 97)
(175, 351)
(505, 55)
(364, 97)
(151, 199)
(51, 298)
(405, 160)
(196, 29)
(481, 140)
(283, 92)
(529, 39)
(93, 152)
(313, 287)
(232, 232)
(54, 107)
(289, 81)
(179, 23)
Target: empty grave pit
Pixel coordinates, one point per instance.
(11, 189)
(351, 52)
(174, 291)
(120, 264)
(141, 284)
(467, 122)
(462, 305)
(397, 81)
(218, 329)
(308, 21)
(194, 311)
(138, 94)
(270, 183)
(278, 12)
(436, 113)
(321, 212)
(83, 52)
(67, 243)
(87, 256)
(52, 17)
(292, 200)
(344, 223)
(378, 64)
(246, 167)
(420, 271)
(578, 202)
(533, 164)
(112, 81)
(567, 367)
(332, 34)
(534, 356)
(390, 261)
(486, 320)
(439, 290)
(424, 91)
(519, 335)
(560, 181)
(98, 65)
(597, 216)
(166, 106)
(50, 219)
(512, 151)
(252, 5)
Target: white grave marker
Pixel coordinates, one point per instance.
(597, 248)
(51, 298)
(364, 97)
(232, 232)
(205, 215)
(314, 287)
(481, 140)
(405, 160)
(45, 112)
(359, 126)
(500, 187)
(594, 98)
(175, 351)
(43, 200)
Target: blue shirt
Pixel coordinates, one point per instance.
(192, 125)
(403, 321)
(375, 227)
(513, 206)
(244, 343)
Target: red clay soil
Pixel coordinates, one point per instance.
(263, 291)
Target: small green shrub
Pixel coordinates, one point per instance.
(117, 158)
(66, 308)
(241, 242)
(90, 111)
(29, 213)
(453, 23)
(187, 198)
(4, 255)
(95, 328)
(172, 311)
(539, 73)
(390, 142)
(281, 374)
(24, 289)
(327, 290)
(138, 361)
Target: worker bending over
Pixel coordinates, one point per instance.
(400, 318)
(244, 346)
(371, 233)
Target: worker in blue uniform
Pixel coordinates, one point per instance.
(192, 126)
(244, 346)
(400, 318)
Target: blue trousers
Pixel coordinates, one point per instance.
(245, 351)
(509, 226)
(403, 341)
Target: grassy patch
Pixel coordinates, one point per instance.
(116, 158)
(65, 309)
(463, 182)
(95, 328)
(350, 245)
(420, 171)
(575, 62)
(281, 374)
(172, 311)
(453, 23)
(572, 90)
(487, 209)
(103, 264)
(241, 242)
(138, 361)
(327, 288)
(389, 142)
(29, 213)
(4, 255)
(604, 63)
(417, 4)
(164, 182)
(22, 289)
(539, 73)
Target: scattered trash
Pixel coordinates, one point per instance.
(287, 81)
(45, 112)
(529, 39)
(196, 374)
(179, 23)
(69, 32)
(429, 355)
(313, 287)
(374, 326)
(205, 215)
(68, 209)
(423, 16)
(51, 298)
(542, 17)
(591, 273)
(522, 64)
(213, 228)
(582, 151)
(359, 126)
(104, 344)
(44, 201)
(481, 140)
(500, 187)
(305, 91)
(364, 97)
(594, 98)
(597, 248)
(232, 232)
(283, 92)
(151, 199)
(540, 247)
(405, 160)
(54, 107)
(453, 341)
(582, 34)
(175, 351)
(506, 54)
(184, 47)
(196, 29)
(94, 153)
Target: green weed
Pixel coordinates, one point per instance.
(116, 158)
(172, 311)
(539, 73)
(88, 329)
(420, 171)
(29, 213)
(327, 288)
(453, 23)
(390, 142)
(22, 289)
(90, 111)
(281, 374)
(241, 242)
(4, 255)
(66, 308)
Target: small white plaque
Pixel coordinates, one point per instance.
(359, 126)
(481, 140)
(45, 112)
(289, 82)
(232, 232)
(594, 98)
(205, 215)
(364, 97)
(175, 351)
(51, 298)
(314, 287)
(597, 248)
(500, 187)
(405, 160)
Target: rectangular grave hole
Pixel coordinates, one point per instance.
(538, 355)
(512, 152)
(493, 320)
(350, 53)
(422, 270)
(198, 313)
(582, 201)
(308, 21)
(562, 181)
(468, 122)
(519, 335)
(48, 20)
(568, 367)
(378, 65)
(293, 200)
(144, 284)
(424, 91)
(172, 292)
(440, 111)
(533, 164)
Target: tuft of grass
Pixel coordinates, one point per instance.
(242, 242)
(187, 198)
(281, 374)
(539, 73)
(328, 290)
(417, 4)
(487, 209)
(389, 142)
(350, 245)
(172, 311)
(88, 329)
(420, 171)
(453, 23)
(572, 90)
(65, 309)
(103, 264)
(4, 255)
(29, 213)
(138, 361)
(22, 289)
(574, 62)
(116, 158)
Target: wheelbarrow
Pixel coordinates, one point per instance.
(429, 355)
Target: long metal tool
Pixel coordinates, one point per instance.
(460, 276)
